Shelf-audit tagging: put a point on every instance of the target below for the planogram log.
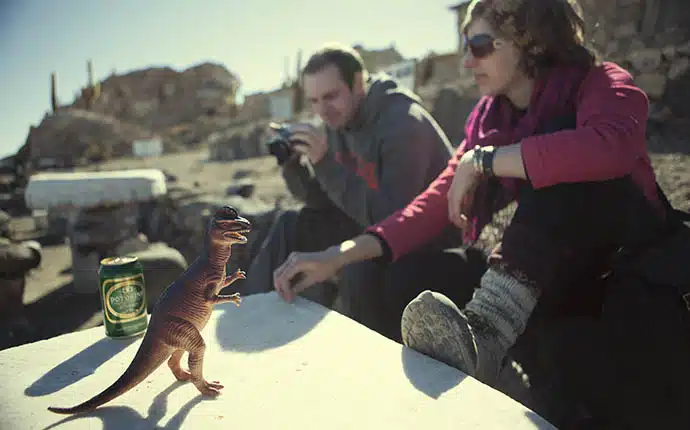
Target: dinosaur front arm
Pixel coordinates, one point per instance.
(214, 288)
(225, 298)
(239, 274)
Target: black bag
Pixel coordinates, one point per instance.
(625, 367)
(667, 261)
(640, 378)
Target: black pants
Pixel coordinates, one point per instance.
(563, 237)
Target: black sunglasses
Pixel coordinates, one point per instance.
(481, 45)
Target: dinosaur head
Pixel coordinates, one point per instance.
(229, 226)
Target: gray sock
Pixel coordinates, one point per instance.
(503, 303)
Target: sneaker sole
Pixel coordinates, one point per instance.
(432, 325)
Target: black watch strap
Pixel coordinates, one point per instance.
(488, 155)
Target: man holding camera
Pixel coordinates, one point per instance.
(375, 151)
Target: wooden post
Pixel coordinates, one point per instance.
(89, 69)
(298, 95)
(53, 92)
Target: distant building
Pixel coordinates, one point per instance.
(377, 59)
(281, 104)
(460, 10)
(152, 147)
(438, 69)
(276, 105)
(255, 106)
(405, 72)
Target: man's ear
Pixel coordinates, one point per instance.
(358, 85)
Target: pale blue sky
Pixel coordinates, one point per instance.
(250, 37)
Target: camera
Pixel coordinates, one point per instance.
(280, 146)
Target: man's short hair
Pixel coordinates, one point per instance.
(345, 58)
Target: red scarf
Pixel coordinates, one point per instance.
(496, 122)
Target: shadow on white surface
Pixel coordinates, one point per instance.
(539, 422)
(123, 417)
(265, 321)
(419, 377)
(79, 366)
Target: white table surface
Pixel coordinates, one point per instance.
(284, 366)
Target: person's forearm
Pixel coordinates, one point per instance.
(302, 184)
(508, 162)
(361, 248)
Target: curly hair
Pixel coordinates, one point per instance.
(548, 32)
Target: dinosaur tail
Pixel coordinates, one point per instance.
(148, 358)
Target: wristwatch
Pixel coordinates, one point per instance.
(483, 160)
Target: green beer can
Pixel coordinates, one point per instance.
(123, 296)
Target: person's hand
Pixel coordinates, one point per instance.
(301, 270)
(461, 192)
(310, 140)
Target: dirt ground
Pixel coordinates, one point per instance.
(211, 176)
(52, 310)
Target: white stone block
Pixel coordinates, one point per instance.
(49, 190)
(284, 366)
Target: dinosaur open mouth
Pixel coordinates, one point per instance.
(238, 224)
(237, 235)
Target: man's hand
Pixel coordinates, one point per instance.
(312, 266)
(310, 140)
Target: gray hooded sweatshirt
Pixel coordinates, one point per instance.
(389, 152)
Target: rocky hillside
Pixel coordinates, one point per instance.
(160, 98)
(182, 108)
(69, 135)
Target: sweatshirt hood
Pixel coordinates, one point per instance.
(382, 91)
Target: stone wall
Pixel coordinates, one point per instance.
(650, 38)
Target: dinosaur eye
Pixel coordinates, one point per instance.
(230, 211)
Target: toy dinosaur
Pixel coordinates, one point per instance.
(180, 314)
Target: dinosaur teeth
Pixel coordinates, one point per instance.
(237, 235)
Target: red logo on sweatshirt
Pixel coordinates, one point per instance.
(364, 169)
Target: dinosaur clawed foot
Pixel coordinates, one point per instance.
(210, 388)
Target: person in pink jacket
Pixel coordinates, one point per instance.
(557, 130)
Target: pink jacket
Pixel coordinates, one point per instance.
(609, 142)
